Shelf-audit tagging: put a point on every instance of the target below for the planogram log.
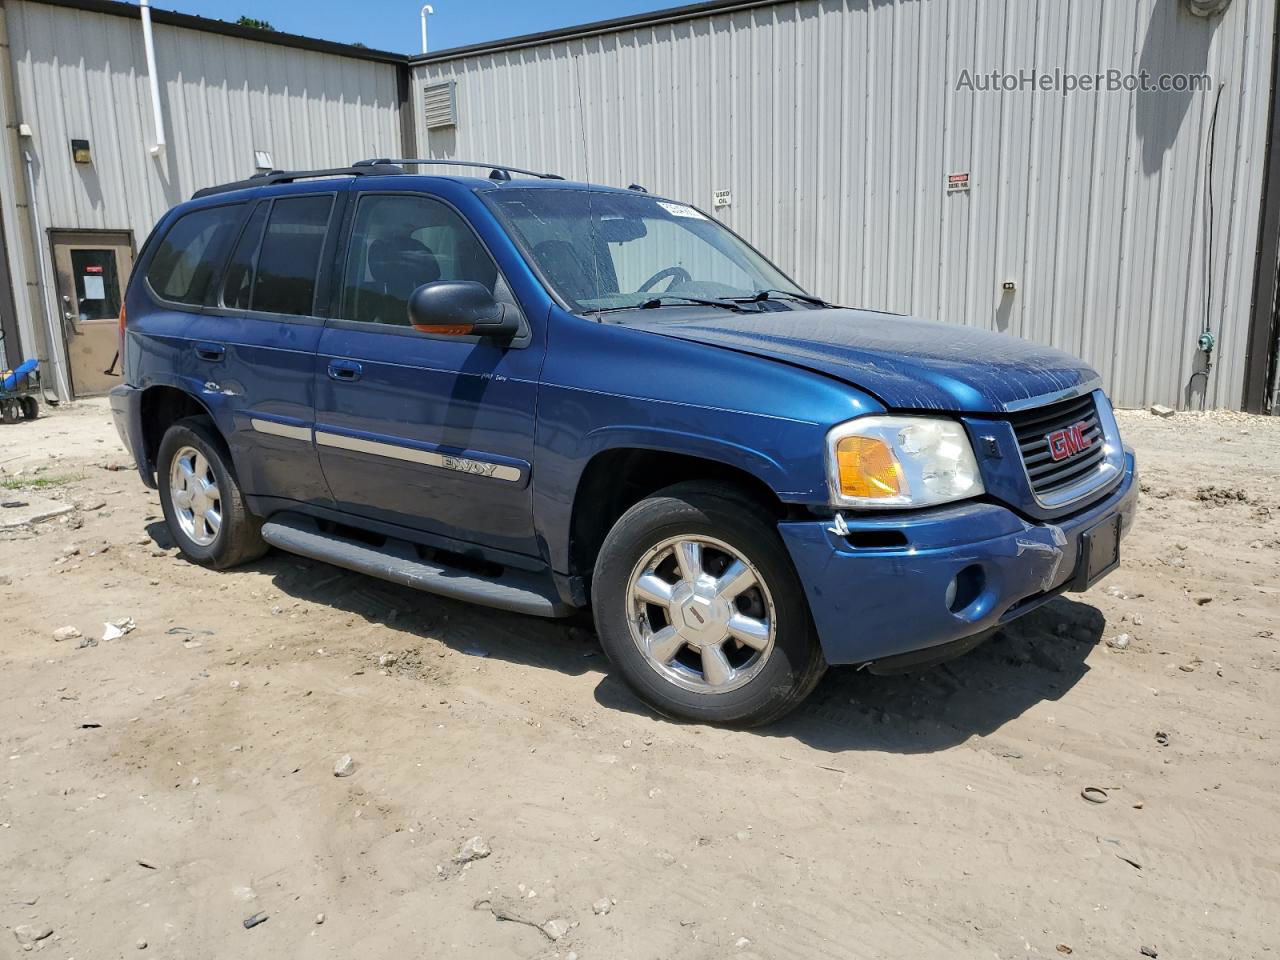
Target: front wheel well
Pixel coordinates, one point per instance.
(616, 480)
(162, 407)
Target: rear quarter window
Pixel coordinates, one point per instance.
(190, 253)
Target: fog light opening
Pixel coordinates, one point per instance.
(965, 587)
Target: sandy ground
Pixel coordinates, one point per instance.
(163, 787)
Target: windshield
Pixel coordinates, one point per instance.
(605, 250)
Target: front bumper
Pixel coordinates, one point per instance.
(873, 602)
(126, 411)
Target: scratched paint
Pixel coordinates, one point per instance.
(1049, 554)
(908, 363)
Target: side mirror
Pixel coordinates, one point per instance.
(460, 308)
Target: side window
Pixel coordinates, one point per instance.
(190, 253)
(274, 270)
(237, 283)
(399, 243)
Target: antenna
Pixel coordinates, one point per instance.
(586, 170)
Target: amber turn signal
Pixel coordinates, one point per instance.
(444, 329)
(868, 468)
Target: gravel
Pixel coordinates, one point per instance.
(477, 848)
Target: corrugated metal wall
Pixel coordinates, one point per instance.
(83, 75)
(835, 125)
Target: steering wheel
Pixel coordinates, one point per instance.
(677, 275)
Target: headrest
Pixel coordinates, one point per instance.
(403, 259)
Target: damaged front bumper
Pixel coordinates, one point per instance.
(895, 585)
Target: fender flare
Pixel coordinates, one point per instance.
(555, 500)
(215, 404)
(760, 465)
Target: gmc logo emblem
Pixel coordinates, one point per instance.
(1068, 441)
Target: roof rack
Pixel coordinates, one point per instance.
(269, 177)
(497, 171)
(379, 167)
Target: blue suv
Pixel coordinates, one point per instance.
(548, 396)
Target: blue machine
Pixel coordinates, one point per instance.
(18, 391)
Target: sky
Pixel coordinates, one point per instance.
(393, 24)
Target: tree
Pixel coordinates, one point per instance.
(255, 23)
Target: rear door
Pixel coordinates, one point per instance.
(258, 348)
(429, 432)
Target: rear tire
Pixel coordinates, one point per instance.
(202, 501)
(699, 607)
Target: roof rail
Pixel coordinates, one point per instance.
(269, 177)
(497, 171)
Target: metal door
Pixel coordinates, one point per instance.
(91, 270)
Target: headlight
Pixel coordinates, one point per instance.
(900, 462)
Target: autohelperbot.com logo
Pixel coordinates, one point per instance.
(1066, 82)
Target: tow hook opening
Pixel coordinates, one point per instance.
(877, 539)
(965, 588)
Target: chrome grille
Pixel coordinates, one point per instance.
(1032, 428)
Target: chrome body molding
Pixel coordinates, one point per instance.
(1070, 393)
(277, 429)
(430, 458)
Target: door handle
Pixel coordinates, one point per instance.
(213, 352)
(346, 371)
(69, 317)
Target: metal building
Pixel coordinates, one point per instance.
(856, 142)
(841, 137)
(85, 171)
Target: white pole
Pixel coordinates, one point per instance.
(149, 44)
(51, 327)
(422, 15)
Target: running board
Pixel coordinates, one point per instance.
(517, 590)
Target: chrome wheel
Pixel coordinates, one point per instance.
(701, 614)
(193, 493)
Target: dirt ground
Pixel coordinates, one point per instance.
(162, 787)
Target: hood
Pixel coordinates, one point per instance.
(907, 363)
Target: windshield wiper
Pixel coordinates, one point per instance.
(765, 294)
(677, 300)
(659, 301)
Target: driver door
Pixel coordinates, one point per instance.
(431, 433)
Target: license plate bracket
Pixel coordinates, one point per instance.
(1099, 553)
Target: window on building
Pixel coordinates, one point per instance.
(183, 266)
(398, 243)
(287, 263)
(97, 283)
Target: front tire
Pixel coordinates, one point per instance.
(202, 501)
(699, 607)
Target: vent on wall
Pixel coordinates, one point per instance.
(440, 105)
